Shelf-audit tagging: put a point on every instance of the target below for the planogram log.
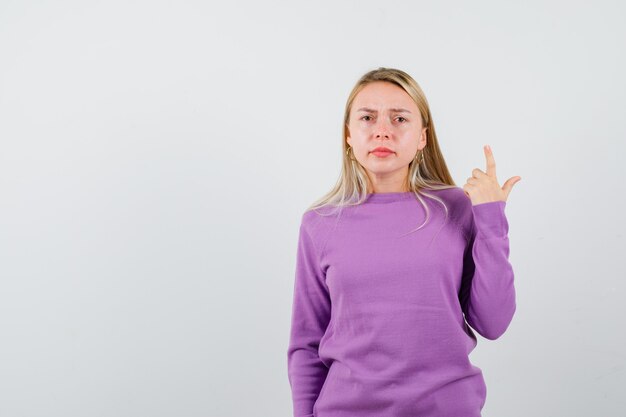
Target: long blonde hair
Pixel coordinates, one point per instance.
(432, 173)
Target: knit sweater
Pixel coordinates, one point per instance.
(380, 316)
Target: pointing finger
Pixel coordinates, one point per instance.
(491, 162)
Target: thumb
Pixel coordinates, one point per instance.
(508, 185)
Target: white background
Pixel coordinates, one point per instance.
(156, 157)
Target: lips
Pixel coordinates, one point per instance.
(382, 152)
(382, 149)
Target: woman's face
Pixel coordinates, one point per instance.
(384, 115)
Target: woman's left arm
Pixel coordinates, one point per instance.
(487, 294)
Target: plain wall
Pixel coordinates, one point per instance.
(156, 158)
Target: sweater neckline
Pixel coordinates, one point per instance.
(389, 197)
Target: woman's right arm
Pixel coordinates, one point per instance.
(309, 319)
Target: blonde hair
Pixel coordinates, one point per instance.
(353, 184)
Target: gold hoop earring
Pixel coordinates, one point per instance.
(421, 154)
(348, 154)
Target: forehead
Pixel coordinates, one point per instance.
(382, 95)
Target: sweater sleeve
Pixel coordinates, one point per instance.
(487, 293)
(309, 319)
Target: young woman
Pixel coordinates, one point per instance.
(393, 264)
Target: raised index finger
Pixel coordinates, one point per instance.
(491, 162)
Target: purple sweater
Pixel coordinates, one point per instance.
(378, 324)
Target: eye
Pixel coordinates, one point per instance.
(364, 117)
(402, 118)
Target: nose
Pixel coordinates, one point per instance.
(382, 129)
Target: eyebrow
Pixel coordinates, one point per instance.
(396, 110)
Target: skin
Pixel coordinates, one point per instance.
(483, 187)
(402, 132)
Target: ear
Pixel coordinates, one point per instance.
(423, 139)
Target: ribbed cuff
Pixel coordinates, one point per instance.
(490, 219)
